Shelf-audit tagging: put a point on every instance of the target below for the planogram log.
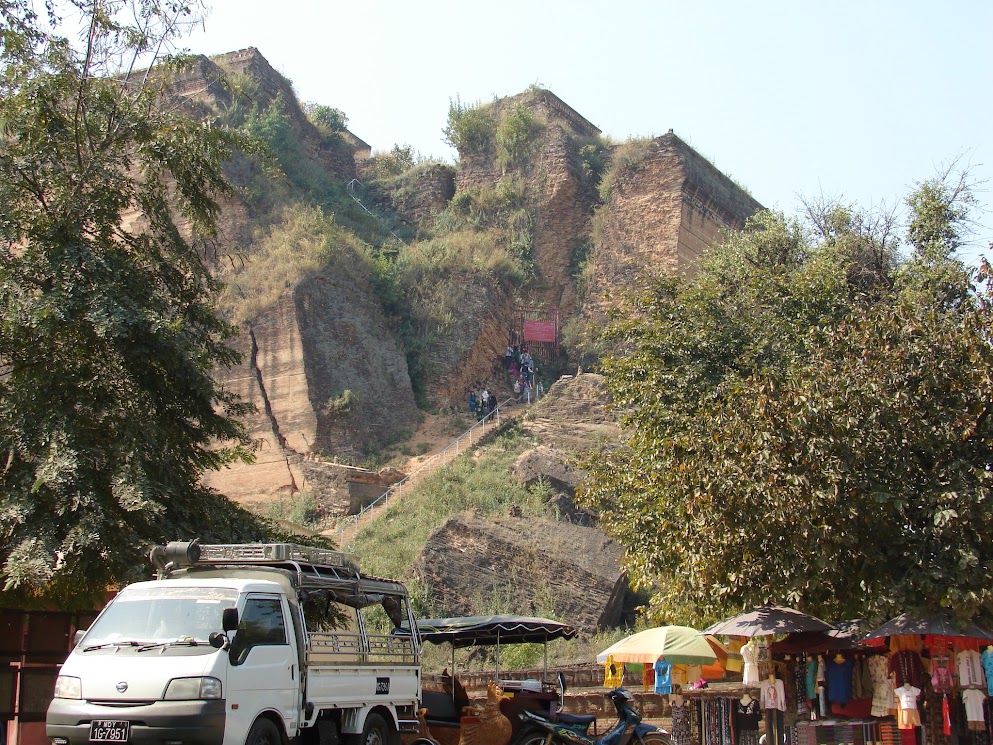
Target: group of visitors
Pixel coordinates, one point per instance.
(521, 368)
(482, 403)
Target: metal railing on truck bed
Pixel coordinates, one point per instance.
(329, 648)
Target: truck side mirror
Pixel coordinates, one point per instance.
(229, 619)
(78, 636)
(218, 640)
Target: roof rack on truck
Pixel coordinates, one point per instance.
(311, 568)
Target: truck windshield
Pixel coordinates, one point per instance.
(160, 614)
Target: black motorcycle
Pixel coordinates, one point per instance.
(559, 728)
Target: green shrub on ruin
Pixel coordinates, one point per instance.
(302, 241)
(516, 137)
(626, 156)
(470, 128)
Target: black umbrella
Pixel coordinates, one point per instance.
(765, 620)
(847, 636)
(936, 625)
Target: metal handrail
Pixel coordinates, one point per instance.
(433, 462)
(351, 193)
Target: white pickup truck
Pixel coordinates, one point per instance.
(247, 644)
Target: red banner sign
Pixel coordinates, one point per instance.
(539, 331)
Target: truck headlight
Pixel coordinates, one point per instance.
(67, 686)
(192, 689)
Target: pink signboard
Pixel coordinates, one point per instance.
(539, 331)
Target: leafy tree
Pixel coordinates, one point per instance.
(108, 335)
(808, 422)
(329, 119)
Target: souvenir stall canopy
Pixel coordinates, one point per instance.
(768, 620)
(847, 635)
(907, 624)
(677, 644)
(669, 656)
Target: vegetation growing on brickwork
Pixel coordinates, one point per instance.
(298, 170)
(627, 155)
(516, 137)
(423, 289)
(327, 119)
(590, 157)
(396, 162)
(301, 241)
(341, 405)
(470, 128)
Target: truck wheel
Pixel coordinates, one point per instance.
(377, 731)
(264, 732)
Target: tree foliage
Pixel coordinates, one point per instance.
(808, 422)
(108, 336)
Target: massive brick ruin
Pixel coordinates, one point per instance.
(329, 335)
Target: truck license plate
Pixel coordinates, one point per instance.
(109, 730)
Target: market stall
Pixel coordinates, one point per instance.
(776, 703)
(942, 673)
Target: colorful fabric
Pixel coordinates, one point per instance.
(906, 643)
(941, 673)
(906, 697)
(986, 661)
(839, 680)
(883, 698)
(811, 678)
(907, 667)
(663, 677)
(613, 675)
(681, 724)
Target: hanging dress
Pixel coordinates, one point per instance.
(750, 656)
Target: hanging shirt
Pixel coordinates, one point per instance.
(908, 668)
(883, 698)
(772, 695)
(746, 716)
(986, 660)
(839, 680)
(941, 674)
(811, 678)
(970, 668)
(648, 678)
(973, 700)
(663, 677)
(613, 675)
(906, 697)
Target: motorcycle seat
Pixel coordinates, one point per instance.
(574, 718)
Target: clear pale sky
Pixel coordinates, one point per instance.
(857, 100)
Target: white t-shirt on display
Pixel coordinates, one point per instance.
(973, 700)
(907, 696)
